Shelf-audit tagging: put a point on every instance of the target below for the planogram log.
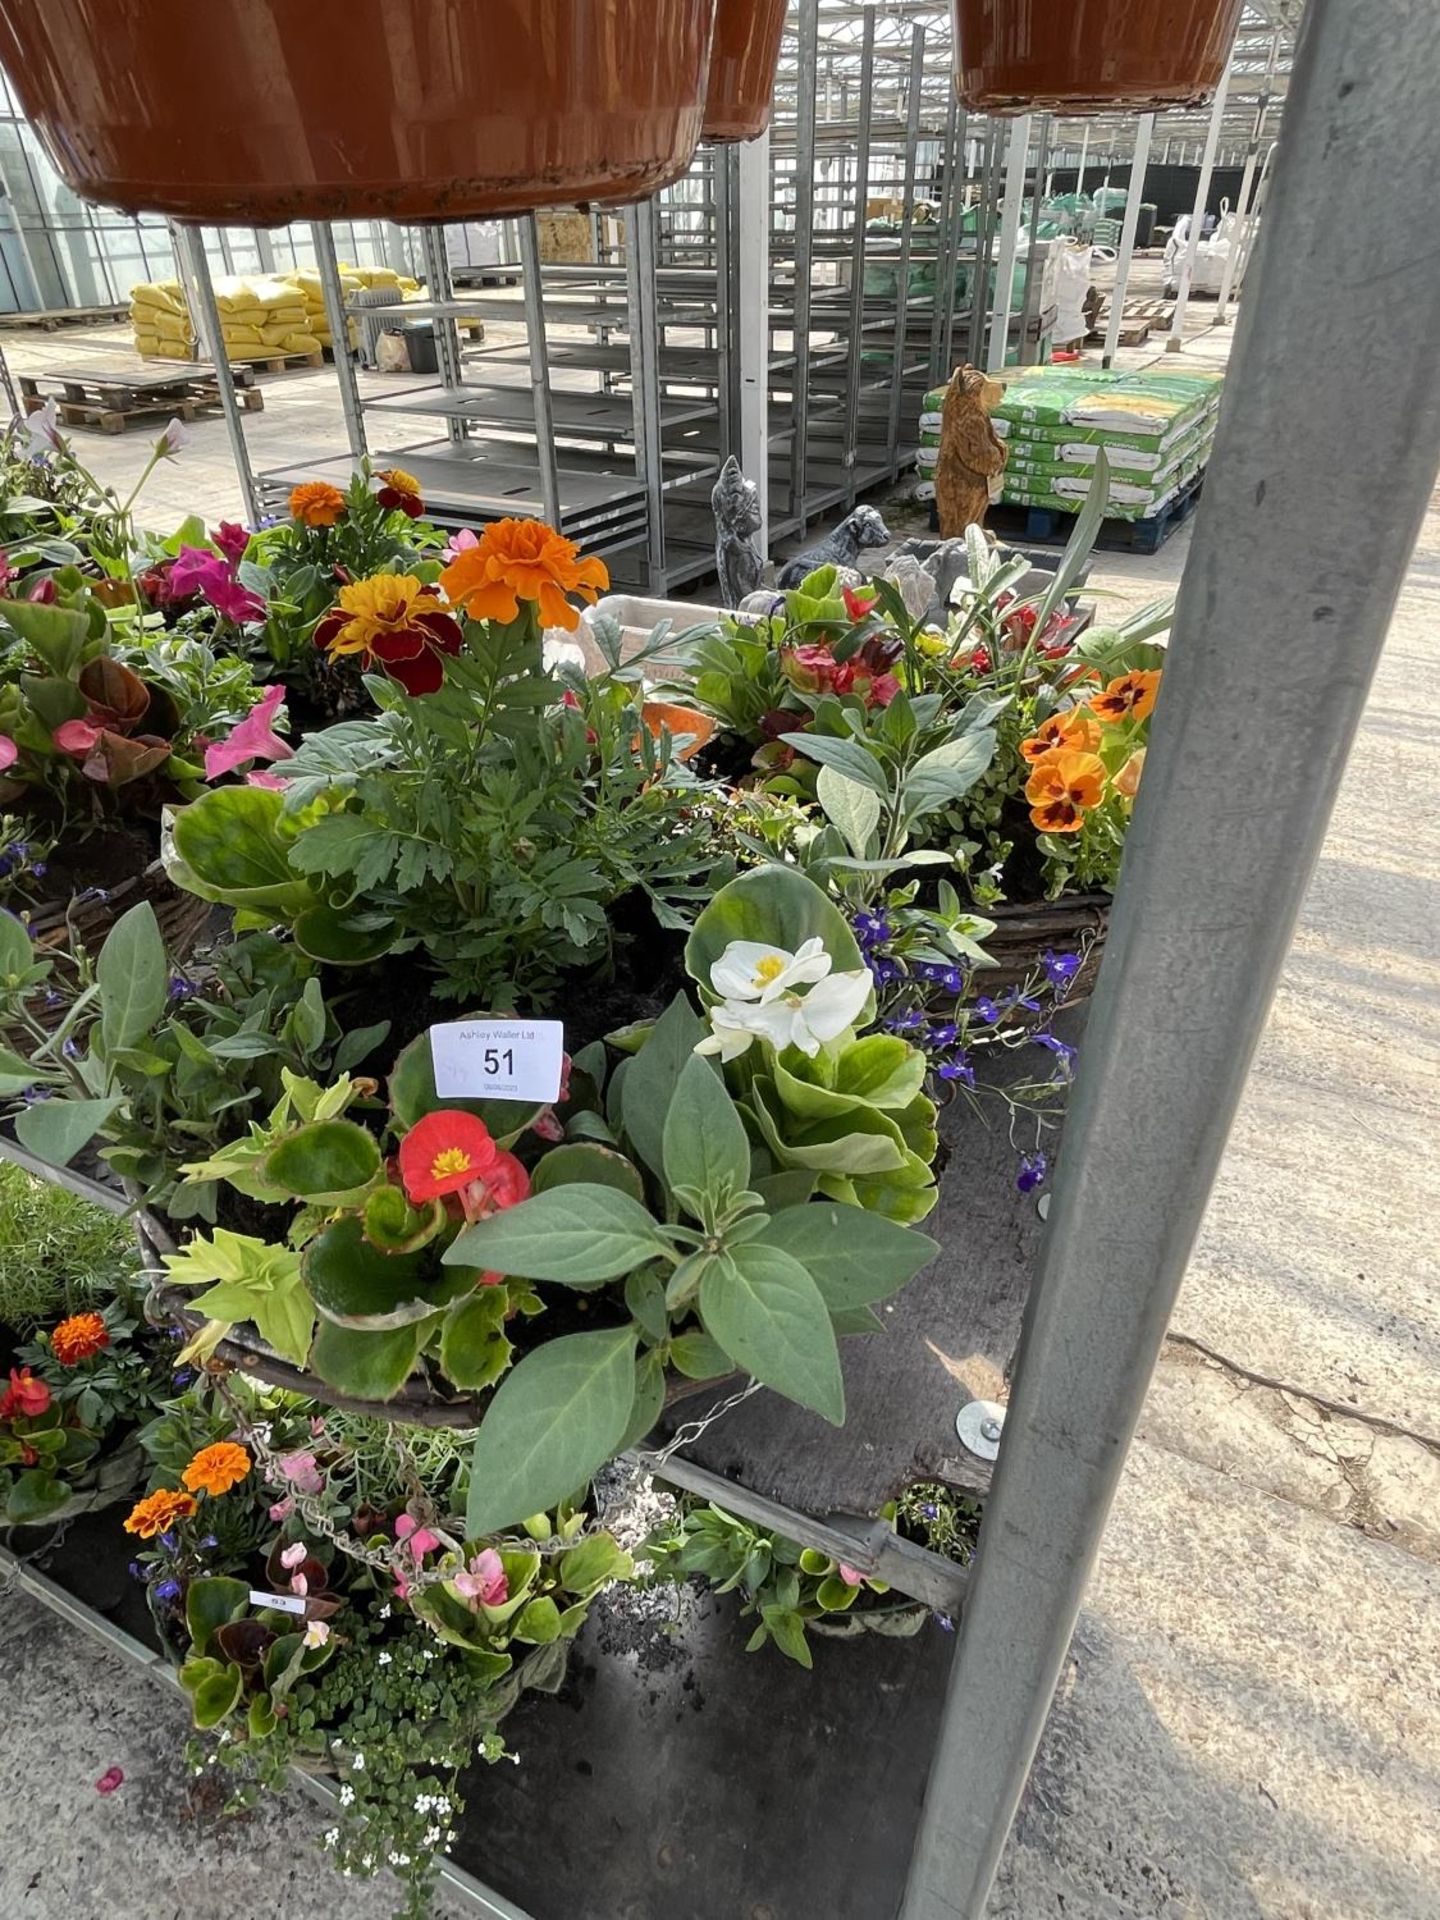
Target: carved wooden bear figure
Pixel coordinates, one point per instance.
(971, 452)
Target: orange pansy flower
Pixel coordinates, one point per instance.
(1129, 698)
(159, 1511)
(1060, 788)
(316, 503)
(516, 560)
(1073, 730)
(216, 1469)
(1127, 780)
(78, 1337)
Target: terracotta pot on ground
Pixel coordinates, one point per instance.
(264, 111)
(1137, 54)
(743, 58)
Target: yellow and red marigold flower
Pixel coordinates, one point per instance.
(515, 560)
(1129, 698)
(315, 503)
(158, 1512)
(77, 1338)
(1071, 731)
(1061, 787)
(399, 490)
(216, 1469)
(397, 621)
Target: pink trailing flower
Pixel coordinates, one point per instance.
(254, 738)
(282, 1510)
(460, 540)
(420, 1540)
(546, 1125)
(303, 1474)
(9, 752)
(43, 592)
(7, 573)
(851, 1575)
(295, 1555)
(76, 736)
(110, 1780)
(198, 570)
(484, 1582)
(232, 540)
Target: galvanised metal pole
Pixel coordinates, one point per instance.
(1242, 203)
(337, 318)
(1015, 157)
(1285, 603)
(1127, 235)
(194, 268)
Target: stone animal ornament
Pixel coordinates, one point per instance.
(972, 454)
(738, 560)
(842, 548)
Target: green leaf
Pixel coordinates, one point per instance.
(854, 809)
(556, 1418)
(586, 1163)
(704, 1146)
(392, 1225)
(847, 757)
(648, 1080)
(56, 634)
(36, 1498)
(539, 1622)
(645, 1301)
(853, 1320)
(233, 847)
(882, 1069)
(56, 1130)
(775, 905)
(787, 1629)
(369, 1366)
(649, 1399)
(354, 1284)
(211, 1603)
(947, 773)
(324, 1162)
(699, 1357)
(16, 953)
(134, 975)
(577, 1235)
(474, 1351)
(586, 1568)
(217, 1697)
(853, 1257)
(330, 935)
(768, 1314)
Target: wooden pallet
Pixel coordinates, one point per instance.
(111, 402)
(279, 362)
(1052, 527)
(1139, 320)
(49, 318)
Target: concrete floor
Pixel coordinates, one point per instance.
(1249, 1728)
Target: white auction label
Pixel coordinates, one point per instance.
(498, 1059)
(281, 1602)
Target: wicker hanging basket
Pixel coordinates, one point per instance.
(1075, 923)
(1014, 56)
(264, 111)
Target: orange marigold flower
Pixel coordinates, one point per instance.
(159, 1511)
(1061, 787)
(1129, 698)
(316, 503)
(78, 1337)
(515, 560)
(1127, 780)
(1071, 731)
(216, 1469)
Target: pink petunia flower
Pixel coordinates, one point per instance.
(232, 540)
(198, 570)
(254, 739)
(259, 778)
(9, 752)
(110, 1780)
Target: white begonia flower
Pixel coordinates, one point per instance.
(823, 1014)
(750, 970)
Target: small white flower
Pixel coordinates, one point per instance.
(172, 439)
(43, 426)
(432, 1837)
(384, 1613)
(332, 1836)
(347, 1796)
(357, 1765)
(317, 1633)
(382, 1660)
(751, 970)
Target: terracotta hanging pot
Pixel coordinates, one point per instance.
(1014, 55)
(743, 58)
(265, 111)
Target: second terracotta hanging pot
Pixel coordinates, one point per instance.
(1013, 55)
(743, 57)
(266, 111)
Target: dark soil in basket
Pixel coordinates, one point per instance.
(106, 855)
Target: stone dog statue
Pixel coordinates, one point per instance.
(971, 452)
(738, 561)
(842, 548)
